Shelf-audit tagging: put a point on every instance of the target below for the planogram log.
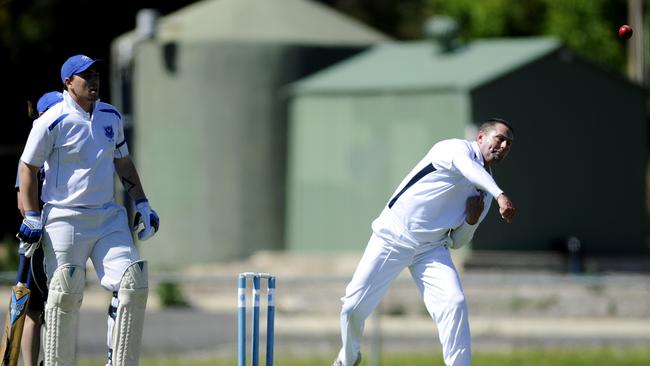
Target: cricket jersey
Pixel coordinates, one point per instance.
(429, 205)
(76, 149)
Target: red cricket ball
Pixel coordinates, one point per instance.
(625, 31)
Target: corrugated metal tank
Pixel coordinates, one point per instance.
(209, 113)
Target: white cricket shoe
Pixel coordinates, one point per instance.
(356, 363)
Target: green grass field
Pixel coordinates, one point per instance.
(520, 357)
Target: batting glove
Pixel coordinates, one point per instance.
(146, 217)
(28, 249)
(31, 229)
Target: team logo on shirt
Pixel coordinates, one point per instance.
(108, 131)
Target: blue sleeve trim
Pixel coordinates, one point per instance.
(56, 121)
(32, 213)
(120, 144)
(110, 110)
(141, 200)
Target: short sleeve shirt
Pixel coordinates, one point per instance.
(76, 149)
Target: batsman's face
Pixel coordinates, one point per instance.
(85, 86)
(495, 143)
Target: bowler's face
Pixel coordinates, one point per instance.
(495, 143)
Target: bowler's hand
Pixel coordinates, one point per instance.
(474, 208)
(506, 208)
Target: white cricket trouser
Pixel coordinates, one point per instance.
(435, 276)
(72, 235)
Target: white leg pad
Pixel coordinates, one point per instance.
(127, 331)
(62, 315)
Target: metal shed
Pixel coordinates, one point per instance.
(577, 167)
(209, 130)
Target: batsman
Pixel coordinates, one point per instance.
(22, 331)
(81, 145)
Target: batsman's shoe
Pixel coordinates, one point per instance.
(356, 363)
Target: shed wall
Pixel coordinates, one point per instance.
(349, 152)
(577, 167)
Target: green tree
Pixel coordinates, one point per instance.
(492, 18)
(587, 26)
(401, 19)
(24, 25)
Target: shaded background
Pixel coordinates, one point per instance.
(37, 36)
(556, 309)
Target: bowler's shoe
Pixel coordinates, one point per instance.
(356, 363)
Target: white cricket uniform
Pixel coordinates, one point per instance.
(80, 218)
(424, 217)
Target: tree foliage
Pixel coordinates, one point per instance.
(587, 26)
(24, 24)
(400, 19)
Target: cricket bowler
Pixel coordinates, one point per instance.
(437, 207)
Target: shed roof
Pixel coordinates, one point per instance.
(420, 65)
(286, 21)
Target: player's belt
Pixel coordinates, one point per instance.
(421, 174)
